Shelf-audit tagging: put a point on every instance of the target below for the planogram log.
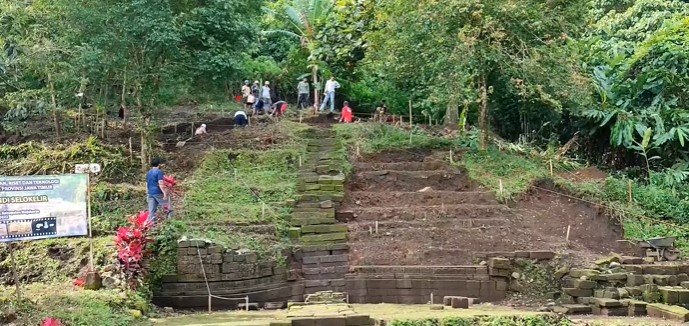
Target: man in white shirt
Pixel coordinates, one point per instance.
(240, 118)
(265, 97)
(329, 95)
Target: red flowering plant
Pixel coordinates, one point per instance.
(51, 322)
(173, 191)
(131, 243)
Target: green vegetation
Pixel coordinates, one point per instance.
(72, 306)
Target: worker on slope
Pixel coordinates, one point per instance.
(347, 114)
(241, 119)
(156, 189)
(201, 131)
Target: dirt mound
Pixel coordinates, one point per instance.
(418, 210)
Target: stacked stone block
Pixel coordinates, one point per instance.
(229, 273)
(415, 284)
(616, 289)
(322, 240)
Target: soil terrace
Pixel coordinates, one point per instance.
(429, 213)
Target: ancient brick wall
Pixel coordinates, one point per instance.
(415, 284)
(229, 273)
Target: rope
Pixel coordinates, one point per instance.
(614, 209)
(208, 287)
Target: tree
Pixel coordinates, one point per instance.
(461, 53)
(304, 18)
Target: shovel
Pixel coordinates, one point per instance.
(182, 143)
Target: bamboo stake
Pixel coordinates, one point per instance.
(502, 188)
(551, 168)
(131, 151)
(410, 114)
(452, 160)
(568, 229)
(629, 190)
(14, 268)
(376, 227)
(358, 150)
(102, 129)
(192, 129)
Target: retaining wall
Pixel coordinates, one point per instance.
(229, 273)
(415, 284)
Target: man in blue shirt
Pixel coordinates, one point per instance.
(155, 188)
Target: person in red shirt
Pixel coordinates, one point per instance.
(347, 114)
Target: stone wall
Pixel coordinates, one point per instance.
(414, 284)
(229, 273)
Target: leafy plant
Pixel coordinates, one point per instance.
(131, 245)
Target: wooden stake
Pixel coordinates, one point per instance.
(358, 150)
(551, 168)
(431, 297)
(410, 136)
(102, 129)
(410, 115)
(502, 188)
(192, 129)
(629, 190)
(88, 203)
(14, 267)
(131, 151)
(452, 160)
(370, 230)
(175, 128)
(568, 228)
(376, 227)
(300, 161)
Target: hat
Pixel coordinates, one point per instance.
(256, 82)
(203, 125)
(246, 82)
(267, 82)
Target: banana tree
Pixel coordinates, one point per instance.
(304, 17)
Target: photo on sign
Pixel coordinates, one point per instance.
(41, 207)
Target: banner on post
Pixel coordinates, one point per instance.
(42, 207)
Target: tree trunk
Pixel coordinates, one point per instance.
(482, 119)
(451, 114)
(314, 76)
(56, 119)
(123, 103)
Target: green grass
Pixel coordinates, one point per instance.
(74, 307)
(251, 190)
(375, 137)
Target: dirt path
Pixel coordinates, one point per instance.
(426, 212)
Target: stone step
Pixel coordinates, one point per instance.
(432, 212)
(384, 180)
(403, 166)
(410, 199)
(429, 223)
(321, 213)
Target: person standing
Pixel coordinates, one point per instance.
(330, 87)
(246, 91)
(266, 97)
(347, 114)
(303, 89)
(156, 189)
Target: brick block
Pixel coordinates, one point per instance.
(325, 237)
(499, 263)
(460, 302)
(358, 320)
(541, 255)
(659, 310)
(578, 273)
(573, 309)
(660, 269)
(606, 303)
(584, 284)
(328, 228)
(578, 292)
(331, 321)
(634, 280)
(619, 311)
(404, 284)
(634, 269)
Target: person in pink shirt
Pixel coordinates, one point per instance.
(347, 113)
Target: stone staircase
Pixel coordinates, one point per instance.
(324, 252)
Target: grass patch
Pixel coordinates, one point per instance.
(492, 167)
(376, 137)
(245, 188)
(53, 260)
(72, 306)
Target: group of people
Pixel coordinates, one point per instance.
(259, 99)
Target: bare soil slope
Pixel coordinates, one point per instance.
(411, 208)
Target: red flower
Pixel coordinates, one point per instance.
(79, 282)
(170, 180)
(51, 322)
